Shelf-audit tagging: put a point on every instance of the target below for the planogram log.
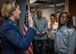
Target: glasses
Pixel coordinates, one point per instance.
(63, 16)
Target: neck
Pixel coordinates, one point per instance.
(12, 18)
(53, 22)
(65, 25)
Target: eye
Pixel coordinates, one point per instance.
(63, 16)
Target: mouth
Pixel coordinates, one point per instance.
(61, 21)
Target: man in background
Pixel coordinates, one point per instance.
(40, 25)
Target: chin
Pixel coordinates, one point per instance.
(18, 17)
(62, 23)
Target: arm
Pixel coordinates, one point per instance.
(15, 37)
(72, 41)
(51, 35)
(46, 27)
(35, 26)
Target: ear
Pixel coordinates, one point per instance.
(13, 12)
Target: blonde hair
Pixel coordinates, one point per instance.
(8, 8)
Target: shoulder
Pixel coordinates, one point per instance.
(35, 18)
(7, 24)
(71, 31)
(44, 17)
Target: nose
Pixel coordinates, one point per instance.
(61, 18)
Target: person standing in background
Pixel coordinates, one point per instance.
(40, 25)
(65, 37)
(52, 25)
(13, 41)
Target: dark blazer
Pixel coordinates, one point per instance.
(12, 40)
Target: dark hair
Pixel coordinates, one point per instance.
(39, 11)
(69, 23)
(52, 15)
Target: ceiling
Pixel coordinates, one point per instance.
(46, 3)
(40, 3)
(2, 1)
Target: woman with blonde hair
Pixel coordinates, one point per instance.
(12, 40)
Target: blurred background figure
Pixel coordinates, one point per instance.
(40, 25)
(52, 26)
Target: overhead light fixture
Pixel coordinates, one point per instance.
(32, 1)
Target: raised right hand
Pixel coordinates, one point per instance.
(30, 20)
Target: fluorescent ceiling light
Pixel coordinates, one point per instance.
(32, 1)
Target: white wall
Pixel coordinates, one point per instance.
(67, 5)
(46, 12)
